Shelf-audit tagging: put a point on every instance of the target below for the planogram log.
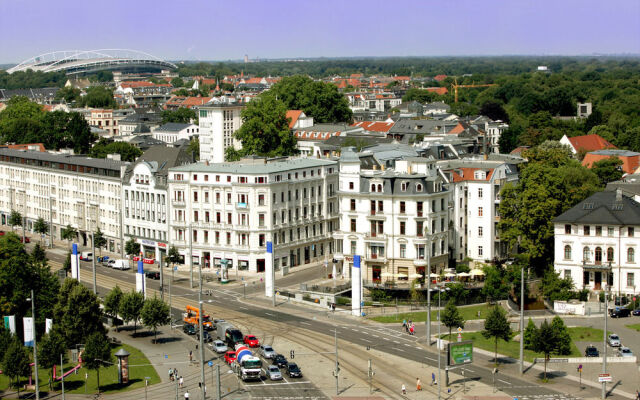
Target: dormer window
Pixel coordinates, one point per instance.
(418, 187)
(403, 186)
(480, 175)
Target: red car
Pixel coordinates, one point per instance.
(1, 233)
(26, 240)
(229, 357)
(251, 341)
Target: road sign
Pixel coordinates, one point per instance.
(460, 353)
(210, 363)
(459, 329)
(459, 337)
(604, 378)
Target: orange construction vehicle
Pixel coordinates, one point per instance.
(192, 317)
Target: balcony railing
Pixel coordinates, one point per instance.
(241, 205)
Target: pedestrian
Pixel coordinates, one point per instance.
(411, 330)
(404, 389)
(175, 373)
(418, 384)
(190, 356)
(186, 394)
(433, 379)
(404, 324)
(181, 382)
(637, 394)
(170, 374)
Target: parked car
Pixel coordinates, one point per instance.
(280, 360)
(111, 263)
(189, 329)
(267, 351)
(619, 312)
(121, 264)
(614, 340)
(229, 357)
(205, 336)
(591, 351)
(273, 372)
(106, 260)
(1, 233)
(218, 346)
(251, 341)
(85, 256)
(625, 352)
(293, 370)
(636, 312)
(25, 239)
(152, 275)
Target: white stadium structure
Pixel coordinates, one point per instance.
(85, 61)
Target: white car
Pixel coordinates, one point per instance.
(614, 340)
(218, 346)
(625, 352)
(273, 372)
(267, 351)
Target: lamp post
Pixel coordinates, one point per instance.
(522, 320)
(604, 343)
(200, 329)
(438, 342)
(35, 352)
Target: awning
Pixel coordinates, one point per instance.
(476, 272)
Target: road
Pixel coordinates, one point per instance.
(318, 326)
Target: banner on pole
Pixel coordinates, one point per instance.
(10, 323)
(48, 325)
(27, 323)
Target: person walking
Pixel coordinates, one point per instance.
(190, 356)
(404, 324)
(186, 395)
(404, 389)
(418, 384)
(171, 374)
(181, 382)
(433, 379)
(411, 330)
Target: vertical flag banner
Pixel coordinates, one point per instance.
(10, 323)
(356, 287)
(75, 262)
(268, 271)
(27, 323)
(48, 325)
(140, 284)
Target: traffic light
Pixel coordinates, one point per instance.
(291, 354)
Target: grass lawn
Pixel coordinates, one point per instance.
(634, 326)
(75, 383)
(468, 313)
(512, 348)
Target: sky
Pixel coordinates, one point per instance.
(224, 30)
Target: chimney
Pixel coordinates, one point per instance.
(618, 194)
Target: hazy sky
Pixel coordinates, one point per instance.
(221, 30)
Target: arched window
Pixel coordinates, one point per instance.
(631, 255)
(610, 254)
(379, 188)
(373, 188)
(586, 254)
(567, 252)
(418, 187)
(598, 254)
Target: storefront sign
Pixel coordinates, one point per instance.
(163, 245)
(145, 260)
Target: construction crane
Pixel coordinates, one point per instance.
(455, 87)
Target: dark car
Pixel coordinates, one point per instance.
(620, 312)
(591, 351)
(205, 337)
(280, 360)
(636, 312)
(152, 275)
(189, 329)
(293, 370)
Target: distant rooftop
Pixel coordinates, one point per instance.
(259, 166)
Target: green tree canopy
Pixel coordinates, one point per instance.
(319, 100)
(15, 219)
(131, 308)
(550, 339)
(131, 247)
(41, 227)
(265, 130)
(68, 233)
(50, 347)
(155, 313)
(112, 303)
(182, 115)
(451, 317)
(496, 286)
(98, 97)
(78, 312)
(127, 151)
(15, 362)
(529, 334)
(607, 170)
(496, 326)
(69, 94)
(96, 352)
(99, 241)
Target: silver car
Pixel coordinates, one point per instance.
(219, 347)
(273, 372)
(614, 340)
(267, 351)
(625, 352)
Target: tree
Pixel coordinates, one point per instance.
(530, 333)
(494, 110)
(265, 130)
(5, 340)
(556, 288)
(607, 170)
(322, 101)
(563, 338)
(50, 347)
(98, 97)
(131, 247)
(552, 339)
(131, 308)
(78, 312)
(80, 133)
(39, 255)
(495, 284)
(20, 119)
(41, 227)
(96, 352)
(99, 241)
(15, 219)
(419, 95)
(16, 362)
(69, 94)
(104, 147)
(451, 318)
(497, 327)
(155, 313)
(112, 303)
(182, 115)
(68, 233)
(177, 82)
(194, 148)
(67, 263)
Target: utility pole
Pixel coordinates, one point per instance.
(161, 278)
(522, 320)
(170, 317)
(50, 223)
(370, 377)
(191, 255)
(438, 346)
(24, 223)
(62, 377)
(93, 261)
(604, 344)
(427, 250)
(218, 375)
(35, 352)
(177, 389)
(200, 328)
(337, 371)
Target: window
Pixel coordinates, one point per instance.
(260, 219)
(418, 187)
(630, 279)
(403, 250)
(419, 229)
(630, 231)
(353, 224)
(586, 254)
(567, 274)
(195, 197)
(419, 208)
(352, 203)
(217, 197)
(261, 199)
(403, 186)
(350, 185)
(353, 246)
(229, 218)
(479, 231)
(402, 207)
(598, 231)
(567, 229)
(479, 193)
(610, 254)
(228, 198)
(195, 216)
(567, 252)
(479, 251)
(631, 255)
(610, 231)
(479, 211)
(598, 255)
(228, 237)
(587, 230)
(403, 227)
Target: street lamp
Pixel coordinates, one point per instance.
(35, 353)
(439, 343)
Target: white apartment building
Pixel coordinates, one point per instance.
(231, 210)
(494, 130)
(596, 242)
(475, 197)
(219, 119)
(145, 198)
(394, 218)
(359, 102)
(64, 190)
(172, 132)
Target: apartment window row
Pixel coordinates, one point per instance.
(597, 230)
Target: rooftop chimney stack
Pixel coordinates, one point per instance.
(618, 194)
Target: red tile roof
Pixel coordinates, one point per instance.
(468, 174)
(293, 116)
(375, 126)
(458, 129)
(191, 101)
(629, 163)
(518, 150)
(591, 142)
(25, 146)
(438, 90)
(440, 78)
(136, 84)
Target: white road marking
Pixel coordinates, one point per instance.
(286, 383)
(305, 323)
(365, 340)
(270, 314)
(508, 383)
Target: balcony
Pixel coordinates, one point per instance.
(419, 262)
(242, 206)
(338, 256)
(178, 203)
(375, 236)
(375, 258)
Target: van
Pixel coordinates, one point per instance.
(121, 264)
(86, 256)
